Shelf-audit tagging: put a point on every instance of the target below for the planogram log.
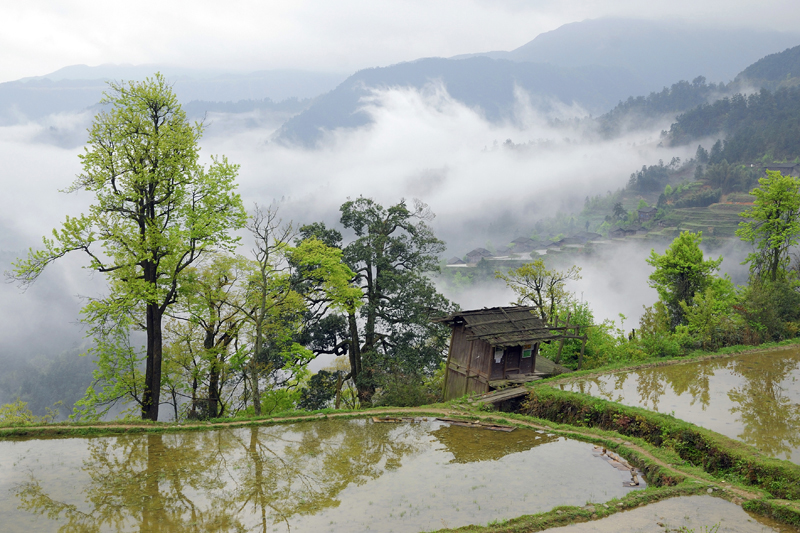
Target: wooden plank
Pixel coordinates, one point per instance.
(502, 395)
(477, 424)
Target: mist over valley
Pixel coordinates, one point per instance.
(493, 143)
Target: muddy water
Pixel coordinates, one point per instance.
(327, 475)
(753, 397)
(686, 513)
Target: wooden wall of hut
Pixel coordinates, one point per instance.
(471, 364)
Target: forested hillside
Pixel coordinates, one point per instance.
(643, 112)
(773, 71)
(764, 126)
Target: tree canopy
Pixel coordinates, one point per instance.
(156, 211)
(680, 273)
(391, 255)
(772, 225)
(544, 288)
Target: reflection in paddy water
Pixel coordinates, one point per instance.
(326, 475)
(752, 397)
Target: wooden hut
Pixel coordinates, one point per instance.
(491, 348)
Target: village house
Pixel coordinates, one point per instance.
(474, 257)
(493, 348)
(620, 233)
(456, 261)
(647, 213)
(787, 169)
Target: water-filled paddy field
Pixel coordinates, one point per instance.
(325, 475)
(753, 397)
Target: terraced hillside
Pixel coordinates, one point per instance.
(717, 220)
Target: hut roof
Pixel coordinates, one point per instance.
(481, 252)
(455, 261)
(503, 326)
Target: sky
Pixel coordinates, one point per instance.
(41, 36)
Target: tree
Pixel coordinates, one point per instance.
(392, 253)
(773, 225)
(680, 273)
(545, 289)
(284, 282)
(204, 334)
(156, 211)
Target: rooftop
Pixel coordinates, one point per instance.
(504, 326)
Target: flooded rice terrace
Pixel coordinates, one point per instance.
(325, 475)
(752, 397)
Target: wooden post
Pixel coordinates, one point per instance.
(583, 346)
(561, 345)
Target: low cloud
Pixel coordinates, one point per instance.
(422, 144)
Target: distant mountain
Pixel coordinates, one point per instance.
(595, 64)
(659, 52)
(78, 87)
(479, 82)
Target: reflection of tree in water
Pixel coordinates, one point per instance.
(651, 383)
(469, 445)
(602, 384)
(693, 378)
(302, 470)
(771, 421)
(226, 480)
(141, 482)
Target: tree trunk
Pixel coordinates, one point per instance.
(212, 410)
(254, 360)
(151, 397)
(254, 386)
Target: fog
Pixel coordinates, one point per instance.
(426, 145)
(422, 144)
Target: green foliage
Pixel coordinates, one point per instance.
(755, 125)
(680, 273)
(647, 110)
(730, 177)
(17, 413)
(648, 179)
(772, 225)
(156, 211)
(655, 335)
(535, 284)
(710, 321)
(320, 390)
(771, 310)
(399, 389)
(699, 198)
(606, 342)
(392, 254)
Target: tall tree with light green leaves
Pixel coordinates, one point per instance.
(680, 273)
(156, 211)
(546, 289)
(772, 225)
